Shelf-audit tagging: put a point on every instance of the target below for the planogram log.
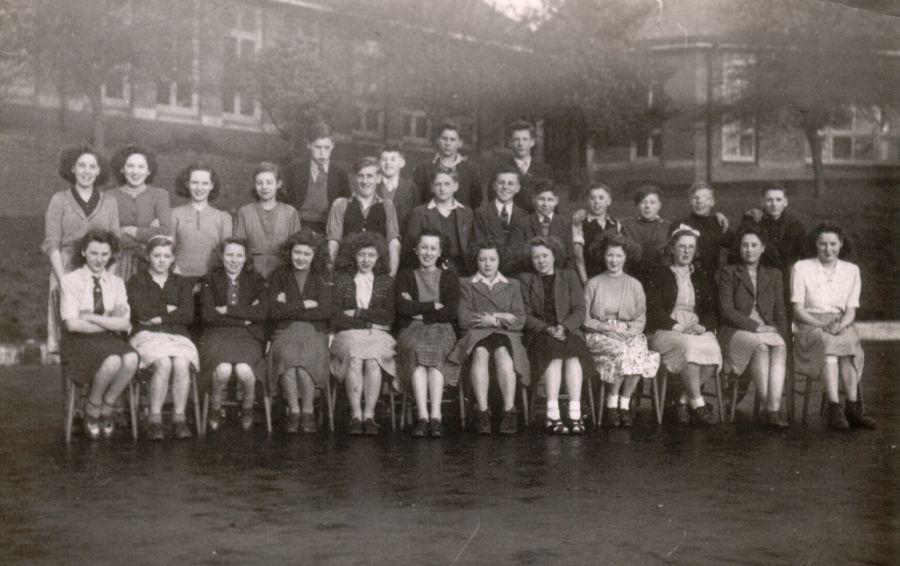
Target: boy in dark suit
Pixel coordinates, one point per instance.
(448, 158)
(494, 219)
(522, 137)
(315, 183)
(544, 221)
(395, 188)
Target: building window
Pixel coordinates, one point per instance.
(369, 120)
(649, 146)
(860, 135)
(116, 88)
(367, 72)
(241, 44)
(416, 126)
(739, 141)
(307, 33)
(176, 89)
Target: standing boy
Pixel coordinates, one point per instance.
(395, 188)
(314, 183)
(713, 227)
(495, 218)
(522, 137)
(544, 221)
(448, 158)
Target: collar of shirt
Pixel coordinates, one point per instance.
(376, 198)
(500, 206)
(541, 217)
(453, 206)
(390, 185)
(457, 159)
(88, 275)
(591, 218)
(523, 164)
(498, 278)
(314, 168)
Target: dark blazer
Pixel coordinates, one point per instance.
(405, 199)
(148, 300)
(662, 290)
(488, 224)
(423, 218)
(317, 288)
(568, 297)
(297, 183)
(253, 302)
(530, 227)
(536, 172)
(785, 242)
(736, 298)
(711, 241)
(406, 308)
(470, 193)
(381, 307)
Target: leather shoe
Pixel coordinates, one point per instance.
(483, 424)
(836, 418)
(612, 417)
(855, 416)
(355, 427)
(421, 428)
(681, 414)
(510, 423)
(775, 420)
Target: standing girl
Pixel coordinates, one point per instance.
(199, 228)
(266, 223)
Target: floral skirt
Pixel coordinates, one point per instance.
(427, 345)
(677, 349)
(615, 358)
(362, 344)
(811, 345)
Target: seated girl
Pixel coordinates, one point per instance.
(448, 217)
(94, 311)
(266, 223)
(362, 313)
(234, 305)
(681, 318)
(754, 323)
(615, 321)
(162, 307)
(492, 315)
(427, 301)
(300, 306)
(554, 307)
(825, 294)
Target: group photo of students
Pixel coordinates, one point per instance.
(433, 287)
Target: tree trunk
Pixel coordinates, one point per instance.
(62, 92)
(98, 123)
(815, 147)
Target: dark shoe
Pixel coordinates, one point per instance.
(836, 418)
(107, 427)
(308, 423)
(421, 428)
(612, 417)
(510, 423)
(577, 426)
(556, 426)
(292, 425)
(627, 419)
(682, 415)
(247, 418)
(853, 411)
(181, 431)
(215, 419)
(155, 431)
(370, 427)
(355, 427)
(702, 416)
(775, 420)
(483, 423)
(92, 427)
(436, 428)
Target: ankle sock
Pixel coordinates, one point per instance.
(156, 418)
(553, 410)
(574, 410)
(697, 403)
(612, 401)
(624, 403)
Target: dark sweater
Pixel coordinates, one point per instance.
(253, 302)
(448, 296)
(662, 292)
(148, 300)
(711, 240)
(317, 288)
(381, 306)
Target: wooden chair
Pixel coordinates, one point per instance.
(587, 384)
(266, 397)
(143, 380)
(661, 394)
(385, 384)
(656, 393)
(408, 409)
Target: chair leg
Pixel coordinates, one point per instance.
(806, 394)
(654, 398)
(330, 401)
(590, 388)
(602, 406)
(198, 421)
(71, 393)
(719, 398)
(662, 397)
(404, 399)
(393, 411)
(134, 397)
(532, 403)
(267, 406)
(462, 406)
(204, 419)
(524, 395)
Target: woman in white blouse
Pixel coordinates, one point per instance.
(825, 294)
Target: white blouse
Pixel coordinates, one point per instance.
(365, 284)
(821, 292)
(77, 293)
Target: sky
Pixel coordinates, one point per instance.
(515, 8)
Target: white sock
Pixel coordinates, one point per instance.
(574, 410)
(612, 401)
(624, 403)
(697, 403)
(553, 410)
(683, 399)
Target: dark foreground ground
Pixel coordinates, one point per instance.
(734, 494)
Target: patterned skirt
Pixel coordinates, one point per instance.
(615, 358)
(427, 345)
(362, 344)
(677, 349)
(811, 345)
(300, 345)
(743, 344)
(152, 346)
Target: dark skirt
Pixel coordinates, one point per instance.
(543, 349)
(494, 342)
(82, 354)
(230, 345)
(300, 345)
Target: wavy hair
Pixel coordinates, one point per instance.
(306, 237)
(70, 156)
(117, 163)
(346, 260)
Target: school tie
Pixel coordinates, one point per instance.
(504, 216)
(321, 182)
(545, 226)
(98, 297)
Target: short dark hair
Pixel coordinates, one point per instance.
(102, 236)
(117, 163)
(699, 186)
(518, 125)
(391, 148)
(366, 161)
(448, 125)
(774, 187)
(268, 167)
(645, 191)
(70, 155)
(432, 233)
(184, 176)
(306, 237)
(346, 260)
(442, 171)
(598, 187)
(319, 130)
(750, 229)
(543, 186)
(551, 243)
(220, 249)
(598, 248)
(829, 227)
(507, 169)
(485, 244)
(159, 241)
